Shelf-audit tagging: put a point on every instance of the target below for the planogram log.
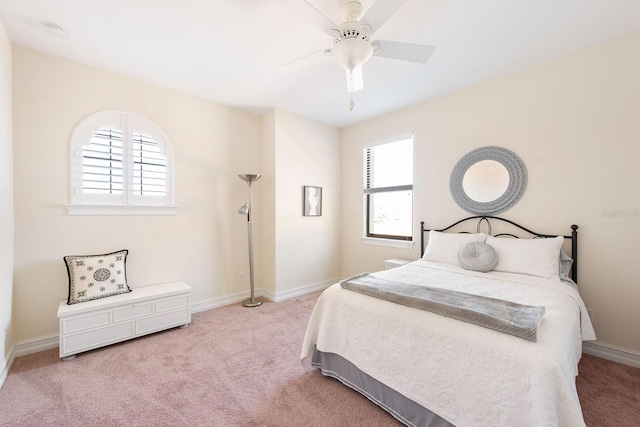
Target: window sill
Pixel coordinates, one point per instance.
(390, 243)
(121, 210)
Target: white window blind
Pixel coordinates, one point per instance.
(388, 189)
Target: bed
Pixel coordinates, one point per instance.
(428, 369)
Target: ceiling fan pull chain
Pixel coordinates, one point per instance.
(351, 87)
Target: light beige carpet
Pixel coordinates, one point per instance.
(234, 366)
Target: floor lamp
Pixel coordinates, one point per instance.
(246, 209)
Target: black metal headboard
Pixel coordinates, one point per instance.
(485, 219)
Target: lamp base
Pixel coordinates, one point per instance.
(252, 302)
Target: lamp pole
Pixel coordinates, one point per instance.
(250, 179)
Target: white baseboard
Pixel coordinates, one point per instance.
(303, 290)
(210, 303)
(6, 366)
(35, 345)
(26, 347)
(277, 297)
(611, 352)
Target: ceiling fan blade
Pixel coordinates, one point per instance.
(309, 12)
(403, 51)
(355, 81)
(304, 61)
(380, 12)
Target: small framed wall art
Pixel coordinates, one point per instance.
(311, 201)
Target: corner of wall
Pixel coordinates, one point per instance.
(268, 209)
(6, 366)
(6, 204)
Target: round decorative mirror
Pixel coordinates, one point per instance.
(485, 181)
(488, 180)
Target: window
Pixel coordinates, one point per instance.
(120, 163)
(388, 189)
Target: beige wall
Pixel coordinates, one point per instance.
(574, 122)
(267, 219)
(203, 245)
(6, 200)
(302, 251)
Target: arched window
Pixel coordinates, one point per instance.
(121, 163)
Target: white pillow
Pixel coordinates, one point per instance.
(444, 247)
(535, 257)
(565, 265)
(96, 276)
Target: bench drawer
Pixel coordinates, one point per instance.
(162, 321)
(97, 338)
(88, 321)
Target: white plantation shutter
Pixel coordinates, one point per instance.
(149, 167)
(102, 163)
(120, 159)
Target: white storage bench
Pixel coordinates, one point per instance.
(92, 324)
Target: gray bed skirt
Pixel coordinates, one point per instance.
(403, 409)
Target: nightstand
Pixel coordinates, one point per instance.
(395, 262)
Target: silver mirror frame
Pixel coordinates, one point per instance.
(517, 180)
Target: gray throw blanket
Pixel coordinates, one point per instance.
(504, 316)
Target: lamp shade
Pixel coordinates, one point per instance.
(250, 177)
(244, 210)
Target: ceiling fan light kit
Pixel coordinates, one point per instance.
(351, 51)
(352, 45)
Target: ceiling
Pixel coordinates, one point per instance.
(231, 51)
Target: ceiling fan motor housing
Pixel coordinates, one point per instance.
(351, 46)
(351, 10)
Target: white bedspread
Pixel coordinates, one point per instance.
(469, 375)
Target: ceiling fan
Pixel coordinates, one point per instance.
(352, 43)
